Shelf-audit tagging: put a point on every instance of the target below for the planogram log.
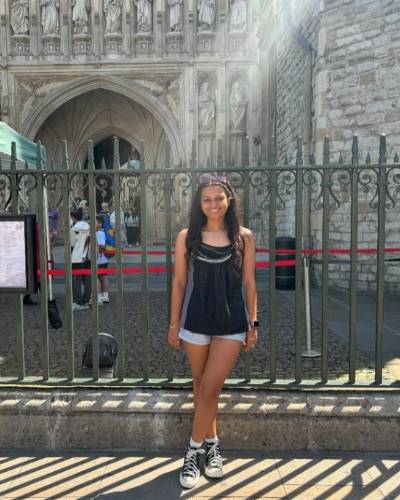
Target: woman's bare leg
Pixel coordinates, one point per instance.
(221, 358)
(197, 355)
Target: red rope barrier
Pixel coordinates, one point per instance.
(280, 251)
(259, 265)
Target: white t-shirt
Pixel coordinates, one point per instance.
(101, 240)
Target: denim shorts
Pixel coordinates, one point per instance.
(200, 339)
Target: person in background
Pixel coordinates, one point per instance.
(85, 209)
(130, 224)
(79, 239)
(105, 214)
(123, 230)
(102, 262)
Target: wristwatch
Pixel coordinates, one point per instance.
(255, 323)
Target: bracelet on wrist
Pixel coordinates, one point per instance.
(172, 326)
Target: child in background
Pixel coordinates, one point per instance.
(102, 262)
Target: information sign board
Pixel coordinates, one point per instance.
(17, 253)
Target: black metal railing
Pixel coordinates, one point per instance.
(270, 193)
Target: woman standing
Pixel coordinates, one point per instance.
(213, 310)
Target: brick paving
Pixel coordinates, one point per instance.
(158, 353)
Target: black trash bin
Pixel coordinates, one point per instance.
(285, 276)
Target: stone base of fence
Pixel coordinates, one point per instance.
(152, 419)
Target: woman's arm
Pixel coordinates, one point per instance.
(178, 288)
(249, 283)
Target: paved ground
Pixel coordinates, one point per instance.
(158, 351)
(123, 476)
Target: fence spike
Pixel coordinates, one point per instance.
(65, 159)
(90, 155)
(246, 152)
(382, 149)
(193, 159)
(312, 158)
(286, 159)
(208, 162)
(272, 152)
(26, 165)
(354, 150)
(168, 154)
(326, 150)
(13, 164)
(220, 158)
(341, 159)
(52, 165)
(396, 158)
(299, 150)
(39, 162)
(141, 154)
(116, 163)
(103, 164)
(368, 159)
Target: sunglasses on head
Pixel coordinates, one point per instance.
(209, 180)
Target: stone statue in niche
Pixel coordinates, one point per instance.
(50, 20)
(238, 104)
(238, 15)
(206, 15)
(144, 15)
(113, 13)
(80, 17)
(19, 17)
(175, 15)
(206, 107)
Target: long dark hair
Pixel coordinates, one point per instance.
(198, 219)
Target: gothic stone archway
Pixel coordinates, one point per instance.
(136, 95)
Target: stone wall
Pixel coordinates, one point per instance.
(298, 25)
(146, 419)
(354, 90)
(357, 92)
(359, 69)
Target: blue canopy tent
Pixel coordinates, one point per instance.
(26, 149)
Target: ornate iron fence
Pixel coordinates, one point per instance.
(270, 194)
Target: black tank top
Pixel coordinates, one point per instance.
(214, 299)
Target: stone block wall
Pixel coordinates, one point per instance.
(302, 20)
(358, 78)
(299, 24)
(357, 92)
(354, 91)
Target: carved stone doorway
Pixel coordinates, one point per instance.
(103, 154)
(98, 115)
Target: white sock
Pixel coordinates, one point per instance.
(212, 440)
(194, 444)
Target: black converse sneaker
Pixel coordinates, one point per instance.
(213, 465)
(190, 472)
